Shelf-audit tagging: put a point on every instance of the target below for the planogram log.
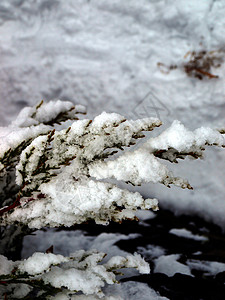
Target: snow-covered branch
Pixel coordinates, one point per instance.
(83, 271)
(60, 173)
(55, 178)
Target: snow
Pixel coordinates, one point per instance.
(74, 279)
(44, 112)
(85, 275)
(123, 291)
(28, 123)
(17, 290)
(11, 137)
(187, 234)
(137, 290)
(131, 261)
(6, 265)
(77, 202)
(79, 272)
(151, 251)
(207, 267)
(65, 241)
(40, 262)
(169, 265)
(38, 148)
(183, 140)
(136, 167)
(103, 120)
(104, 56)
(81, 198)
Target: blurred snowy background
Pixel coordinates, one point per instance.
(129, 57)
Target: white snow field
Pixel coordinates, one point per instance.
(115, 56)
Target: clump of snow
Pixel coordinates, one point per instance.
(64, 241)
(131, 261)
(75, 202)
(168, 264)
(45, 112)
(151, 251)
(55, 108)
(187, 234)
(176, 136)
(136, 167)
(75, 280)
(181, 139)
(102, 121)
(6, 266)
(12, 137)
(40, 262)
(31, 122)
